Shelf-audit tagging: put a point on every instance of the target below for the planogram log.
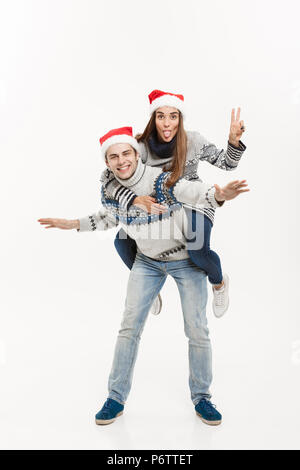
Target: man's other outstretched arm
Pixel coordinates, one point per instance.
(101, 220)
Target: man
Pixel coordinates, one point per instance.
(161, 250)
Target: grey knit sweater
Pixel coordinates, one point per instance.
(198, 149)
(161, 237)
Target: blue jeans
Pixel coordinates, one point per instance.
(146, 278)
(198, 244)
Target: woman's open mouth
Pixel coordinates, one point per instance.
(167, 134)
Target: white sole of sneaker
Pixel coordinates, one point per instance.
(159, 308)
(211, 423)
(108, 421)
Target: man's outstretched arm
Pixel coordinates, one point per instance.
(101, 220)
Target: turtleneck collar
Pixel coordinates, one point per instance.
(161, 149)
(135, 178)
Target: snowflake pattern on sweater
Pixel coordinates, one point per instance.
(158, 236)
(199, 149)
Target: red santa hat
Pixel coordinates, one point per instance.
(158, 98)
(122, 135)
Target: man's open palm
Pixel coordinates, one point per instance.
(231, 190)
(64, 224)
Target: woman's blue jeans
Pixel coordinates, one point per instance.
(198, 244)
(146, 279)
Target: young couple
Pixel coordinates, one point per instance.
(152, 189)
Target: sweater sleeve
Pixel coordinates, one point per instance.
(121, 194)
(226, 160)
(196, 193)
(124, 196)
(101, 220)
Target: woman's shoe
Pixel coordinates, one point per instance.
(156, 306)
(221, 298)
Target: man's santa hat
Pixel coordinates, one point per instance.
(122, 135)
(158, 98)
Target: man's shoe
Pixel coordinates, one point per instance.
(156, 306)
(109, 412)
(208, 413)
(221, 298)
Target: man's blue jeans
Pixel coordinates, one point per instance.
(146, 279)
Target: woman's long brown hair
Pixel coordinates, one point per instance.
(178, 163)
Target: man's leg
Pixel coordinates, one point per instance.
(145, 281)
(192, 285)
(127, 249)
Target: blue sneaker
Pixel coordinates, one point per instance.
(109, 412)
(208, 413)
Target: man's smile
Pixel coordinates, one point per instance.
(124, 168)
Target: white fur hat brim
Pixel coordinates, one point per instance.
(119, 139)
(168, 100)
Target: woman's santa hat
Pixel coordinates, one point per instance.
(122, 135)
(160, 98)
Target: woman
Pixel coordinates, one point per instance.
(166, 144)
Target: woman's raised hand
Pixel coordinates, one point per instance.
(149, 204)
(63, 224)
(230, 191)
(237, 127)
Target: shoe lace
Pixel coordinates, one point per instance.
(208, 406)
(106, 409)
(220, 297)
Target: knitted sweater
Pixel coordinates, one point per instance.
(160, 237)
(198, 149)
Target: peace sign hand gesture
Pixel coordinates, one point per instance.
(236, 128)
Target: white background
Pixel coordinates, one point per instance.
(71, 70)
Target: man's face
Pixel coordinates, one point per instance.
(167, 122)
(122, 160)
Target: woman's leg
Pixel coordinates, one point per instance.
(199, 230)
(126, 247)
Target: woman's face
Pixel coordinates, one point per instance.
(167, 122)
